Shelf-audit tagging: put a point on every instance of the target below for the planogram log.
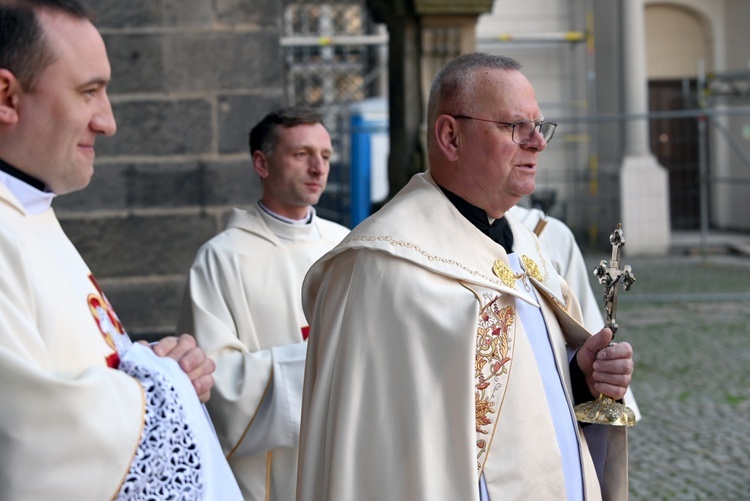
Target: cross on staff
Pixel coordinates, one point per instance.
(611, 275)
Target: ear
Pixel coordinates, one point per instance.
(447, 137)
(260, 164)
(9, 88)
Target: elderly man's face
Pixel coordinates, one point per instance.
(496, 171)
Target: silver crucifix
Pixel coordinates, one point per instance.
(611, 275)
(604, 410)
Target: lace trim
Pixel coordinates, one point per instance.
(167, 464)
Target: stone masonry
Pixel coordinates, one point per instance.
(189, 78)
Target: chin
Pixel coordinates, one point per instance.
(79, 185)
(313, 200)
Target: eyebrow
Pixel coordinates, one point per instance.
(308, 147)
(521, 118)
(98, 81)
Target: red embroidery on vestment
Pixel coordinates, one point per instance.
(493, 353)
(107, 321)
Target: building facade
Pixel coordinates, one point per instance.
(191, 77)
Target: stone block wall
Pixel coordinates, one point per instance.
(189, 78)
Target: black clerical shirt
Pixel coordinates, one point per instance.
(499, 231)
(9, 169)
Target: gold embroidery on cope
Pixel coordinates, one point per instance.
(408, 245)
(544, 262)
(493, 355)
(532, 269)
(504, 273)
(508, 277)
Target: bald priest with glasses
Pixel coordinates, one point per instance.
(445, 353)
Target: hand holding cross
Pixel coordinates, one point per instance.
(604, 410)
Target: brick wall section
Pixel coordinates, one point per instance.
(189, 78)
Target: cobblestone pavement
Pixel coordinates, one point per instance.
(688, 319)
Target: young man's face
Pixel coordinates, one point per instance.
(67, 108)
(295, 173)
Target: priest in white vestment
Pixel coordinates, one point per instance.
(446, 353)
(243, 302)
(85, 414)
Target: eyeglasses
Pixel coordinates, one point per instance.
(523, 130)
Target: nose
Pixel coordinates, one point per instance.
(103, 122)
(318, 163)
(537, 142)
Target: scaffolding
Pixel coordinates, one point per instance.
(565, 192)
(335, 56)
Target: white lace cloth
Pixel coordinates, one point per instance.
(167, 464)
(179, 456)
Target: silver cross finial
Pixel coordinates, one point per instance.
(611, 275)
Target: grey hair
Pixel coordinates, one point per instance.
(454, 82)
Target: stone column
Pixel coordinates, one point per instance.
(424, 35)
(644, 186)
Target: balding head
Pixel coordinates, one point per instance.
(476, 104)
(453, 85)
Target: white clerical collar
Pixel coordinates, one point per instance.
(33, 200)
(289, 230)
(305, 220)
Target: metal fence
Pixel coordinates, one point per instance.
(335, 59)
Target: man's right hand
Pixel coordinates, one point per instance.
(192, 360)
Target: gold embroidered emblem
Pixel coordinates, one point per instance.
(504, 273)
(491, 370)
(532, 269)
